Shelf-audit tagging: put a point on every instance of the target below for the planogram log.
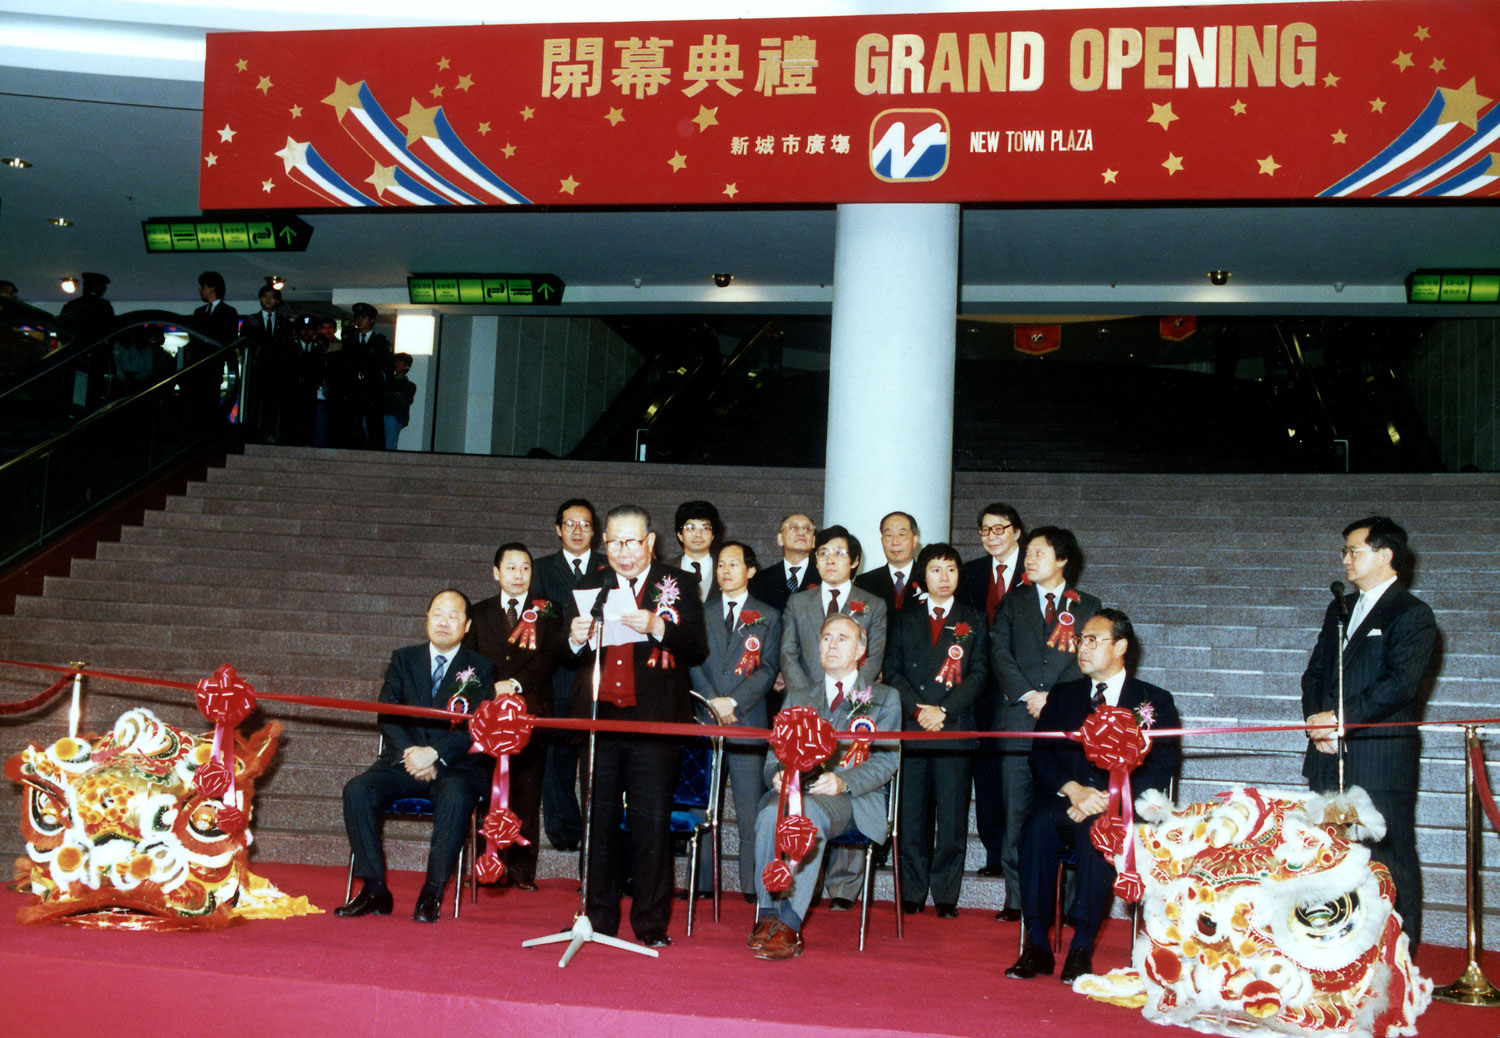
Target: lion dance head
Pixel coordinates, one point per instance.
(118, 834)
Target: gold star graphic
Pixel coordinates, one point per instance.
(266, 185)
(509, 149)
(484, 129)
(1239, 107)
(1162, 114)
(1377, 105)
(296, 111)
(1269, 165)
(242, 64)
(211, 159)
(1438, 65)
(264, 86)
(1331, 80)
(443, 64)
(344, 97)
(1173, 165)
(706, 117)
(437, 90)
(731, 190)
(382, 178)
(568, 186)
(616, 116)
(293, 155)
(1339, 136)
(1422, 33)
(527, 113)
(465, 82)
(1462, 105)
(226, 134)
(1109, 176)
(677, 161)
(1402, 60)
(420, 122)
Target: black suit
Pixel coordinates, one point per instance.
(936, 775)
(880, 582)
(1021, 660)
(989, 778)
(769, 584)
(1384, 662)
(271, 369)
(1050, 833)
(462, 777)
(642, 768)
(533, 669)
(361, 368)
(554, 576)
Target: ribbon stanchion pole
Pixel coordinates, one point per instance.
(1472, 988)
(75, 709)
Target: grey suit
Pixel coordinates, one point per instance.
(1021, 660)
(715, 677)
(802, 621)
(863, 807)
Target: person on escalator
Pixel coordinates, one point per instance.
(90, 316)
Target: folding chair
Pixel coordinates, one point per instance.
(856, 838)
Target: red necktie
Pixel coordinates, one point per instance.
(936, 623)
(900, 595)
(838, 697)
(833, 602)
(996, 593)
(1099, 695)
(1050, 616)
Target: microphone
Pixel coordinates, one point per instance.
(1337, 587)
(597, 612)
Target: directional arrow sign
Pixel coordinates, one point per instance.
(486, 289)
(254, 233)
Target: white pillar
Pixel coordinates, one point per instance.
(890, 386)
(479, 429)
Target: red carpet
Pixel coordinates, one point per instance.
(378, 976)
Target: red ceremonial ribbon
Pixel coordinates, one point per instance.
(750, 658)
(801, 741)
(1482, 787)
(1063, 636)
(952, 669)
(1114, 741)
(40, 699)
(225, 700)
(500, 728)
(525, 633)
(863, 726)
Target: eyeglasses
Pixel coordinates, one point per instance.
(997, 530)
(831, 553)
(1347, 552)
(577, 524)
(697, 528)
(1093, 641)
(799, 528)
(624, 546)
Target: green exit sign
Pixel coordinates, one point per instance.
(485, 289)
(1453, 286)
(278, 233)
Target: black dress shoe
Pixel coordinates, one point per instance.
(429, 908)
(749, 897)
(947, 911)
(839, 904)
(567, 846)
(1009, 915)
(912, 907)
(1078, 962)
(990, 871)
(656, 939)
(367, 902)
(1033, 962)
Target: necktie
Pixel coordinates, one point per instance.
(633, 592)
(270, 325)
(698, 572)
(1050, 615)
(577, 570)
(511, 614)
(838, 697)
(1099, 695)
(729, 619)
(438, 666)
(791, 578)
(936, 621)
(900, 595)
(833, 602)
(995, 594)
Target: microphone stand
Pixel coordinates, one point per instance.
(1338, 595)
(582, 931)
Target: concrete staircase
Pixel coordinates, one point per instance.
(304, 568)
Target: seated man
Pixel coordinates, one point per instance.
(839, 799)
(1071, 792)
(422, 757)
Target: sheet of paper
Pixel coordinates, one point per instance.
(619, 602)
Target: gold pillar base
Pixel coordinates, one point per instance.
(1471, 989)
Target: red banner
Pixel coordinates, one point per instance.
(1175, 329)
(1036, 339)
(1284, 101)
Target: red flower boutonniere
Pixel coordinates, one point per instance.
(856, 607)
(751, 617)
(961, 631)
(664, 603)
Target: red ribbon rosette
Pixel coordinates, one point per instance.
(1113, 740)
(501, 726)
(860, 751)
(795, 836)
(952, 670)
(776, 876)
(801, 740)
(1129, 887)
(213, 779)
(750, 658)
(1107, 834)
(231, 820)
(225, 699)
(524, 634)
(1063, 636)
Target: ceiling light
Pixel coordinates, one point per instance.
(68, 284)
(1218, 277)
(16, 163)
(723, 280)
(59, 221)
(276, 281)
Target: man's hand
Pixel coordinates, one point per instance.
(581, 630)
(644, 621)
(931, 718)
(724, 707)
(1324, 740)
(776, 781)
(1034, 701)
(1086, 800)
(827, 784)
(420, 762)
(780, 683)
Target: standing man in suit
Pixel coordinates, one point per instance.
(367, 360)
(522, 635)
(215, 317)
(646, 680)
(898, 580)
(840, 797)
(422, 757)
(937, 659)
(744, 651)
(984, 585)
(795, 572)
(1072, 792)
(1391, 634)
(271, 366)
(1033, 647)
(557, 575)
(698, 528)
(303, 383)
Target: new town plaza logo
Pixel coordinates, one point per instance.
(909, 144)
